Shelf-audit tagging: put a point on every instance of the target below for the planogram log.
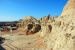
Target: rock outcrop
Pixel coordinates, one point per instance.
(69, 8)
(25, 21)
(58, 33)
(47, 19)
(61, 36)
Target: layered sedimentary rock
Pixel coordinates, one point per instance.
(61, 36)
(69, 8)
(58, 33)
(25, 21)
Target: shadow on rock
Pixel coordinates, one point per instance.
(1, 42)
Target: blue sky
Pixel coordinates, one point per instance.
(11, 10)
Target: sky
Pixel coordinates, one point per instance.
(12, 10)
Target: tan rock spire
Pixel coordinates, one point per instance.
(69, 8)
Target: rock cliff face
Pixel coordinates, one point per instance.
(69, 8)
(61, 36)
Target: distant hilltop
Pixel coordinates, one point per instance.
(8, 23)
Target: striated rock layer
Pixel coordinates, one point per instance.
(62, 36)
(69, 8)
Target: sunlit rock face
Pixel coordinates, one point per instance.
(61, 36)
(25, 21)
(69, 8)
(58, 33)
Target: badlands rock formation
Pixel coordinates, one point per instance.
(62, 36)
(25, 21)
(57, 33)
(32, 28)
(69, 8)
(31, 25)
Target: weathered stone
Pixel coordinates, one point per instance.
(69, 9)
(36, 28)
